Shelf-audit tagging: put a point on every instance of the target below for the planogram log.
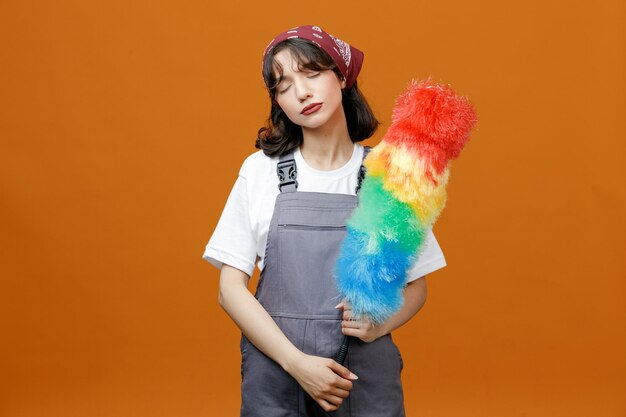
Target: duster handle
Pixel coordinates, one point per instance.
(340, 357)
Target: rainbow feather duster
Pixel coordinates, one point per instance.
(402, 194)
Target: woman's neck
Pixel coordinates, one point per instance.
(328, 147)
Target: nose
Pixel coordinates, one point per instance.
(302, 90)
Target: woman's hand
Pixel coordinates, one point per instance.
(364, 329)
(327, 382)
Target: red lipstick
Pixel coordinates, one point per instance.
(311, 108)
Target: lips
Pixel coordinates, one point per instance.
(311, 108)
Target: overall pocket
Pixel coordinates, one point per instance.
(310, 227)
(306, 259)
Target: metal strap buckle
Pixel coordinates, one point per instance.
(287, 173)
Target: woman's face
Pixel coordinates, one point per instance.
(299, 89)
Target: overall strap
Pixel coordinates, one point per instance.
(287, 173)
(362, 169)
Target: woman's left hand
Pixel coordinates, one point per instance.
(364, 329)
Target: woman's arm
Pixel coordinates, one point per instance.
(323, 378)
(246, 311)
(414, 299)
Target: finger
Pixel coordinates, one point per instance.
(341, 393)
(333, 399)
(353, 332)
(367, 318)
(340, 370)
(352, 324)
(347, 314)
(326, 405)
(343, 385)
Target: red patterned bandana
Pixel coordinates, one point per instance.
(348, 58)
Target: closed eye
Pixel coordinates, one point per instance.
(287, 88)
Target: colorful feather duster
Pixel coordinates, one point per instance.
(402, 194)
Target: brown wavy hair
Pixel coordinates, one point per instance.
(280, 135)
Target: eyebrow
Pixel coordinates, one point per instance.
(288, 78)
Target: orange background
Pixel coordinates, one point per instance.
(123, 126)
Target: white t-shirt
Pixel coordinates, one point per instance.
(241, 233)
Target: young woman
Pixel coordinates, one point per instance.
(288, 210)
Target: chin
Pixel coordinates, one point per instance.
(314, 124)
(320, 121)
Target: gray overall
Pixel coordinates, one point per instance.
(297, 288)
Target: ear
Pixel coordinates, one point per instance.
(343, 82)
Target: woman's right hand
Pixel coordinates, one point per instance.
(327, 382)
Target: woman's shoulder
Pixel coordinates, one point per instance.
(259, 172)
(258, 165)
